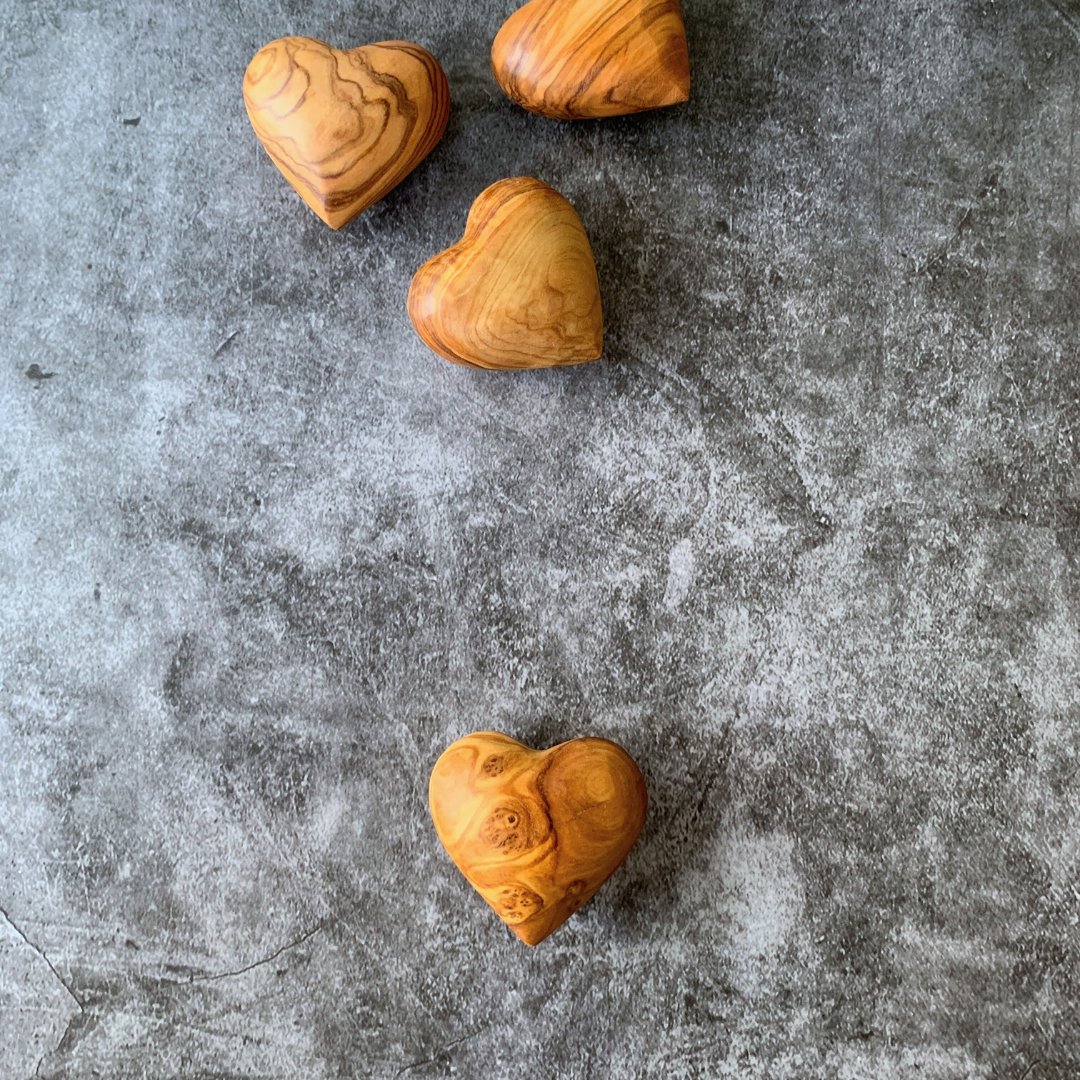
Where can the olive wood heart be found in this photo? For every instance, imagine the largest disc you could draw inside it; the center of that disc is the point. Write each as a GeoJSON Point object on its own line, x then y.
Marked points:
{"type": "Point", "coordinates": [518, 290]}
{"type": "Point", "coordinates": [536, 832]}
{"type": "Point", "coordinates": [345, 127]}
{"type": "Point", "coordinates": [572, 59]}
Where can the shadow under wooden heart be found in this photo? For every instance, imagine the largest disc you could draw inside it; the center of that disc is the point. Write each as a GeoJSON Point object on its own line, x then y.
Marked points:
{"type": "Point", "coordinates": [518, 290]}
{"type": "Point", "coordinates": [577, 59]}
{"type": "Point", "coordinates": [536, 832]}
{"type": "Point", "coordinates": [345, 127]}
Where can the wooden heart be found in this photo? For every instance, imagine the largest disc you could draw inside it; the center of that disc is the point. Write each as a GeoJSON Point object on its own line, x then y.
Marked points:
{"type": "Point", "coordinates": [345, 127]}
{"type": "Point", "coordinates": [518, 290]}
{"type": "Point", "coordinates": [571, 59]}
{"type": "Point", "coordinates": [536, 832]}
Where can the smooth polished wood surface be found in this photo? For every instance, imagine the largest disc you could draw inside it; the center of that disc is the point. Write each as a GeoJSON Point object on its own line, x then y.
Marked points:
{"type": "Point", "coordinates": [574, 59]}
{"type": "Point", "coordinates": [345, 127]}
{"type": "Point", "coordinates": [536, 832]}
{"type": "Point", "coordinates": [519, 290]}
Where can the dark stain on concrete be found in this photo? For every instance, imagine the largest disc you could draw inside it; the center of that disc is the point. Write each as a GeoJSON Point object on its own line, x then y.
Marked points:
{"type": "Point", "coordinates": [34, 372]}
{"type": "Point", "coordinates": [180, 667]}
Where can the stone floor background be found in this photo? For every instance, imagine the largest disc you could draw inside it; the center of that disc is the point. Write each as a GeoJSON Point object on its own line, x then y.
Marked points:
{"type": "Point", "coordinates": [806, 542]}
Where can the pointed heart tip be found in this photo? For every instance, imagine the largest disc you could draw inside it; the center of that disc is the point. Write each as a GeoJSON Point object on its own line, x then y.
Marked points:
{"type": "Point", "coordinates": [534, 939]}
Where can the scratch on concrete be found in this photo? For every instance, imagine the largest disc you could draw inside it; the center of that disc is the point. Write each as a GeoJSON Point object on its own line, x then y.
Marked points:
{"type": "Point", "coordinates": [41, 952]}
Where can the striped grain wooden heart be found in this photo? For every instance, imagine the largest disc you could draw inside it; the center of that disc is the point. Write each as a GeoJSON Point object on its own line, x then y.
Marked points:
{"type": "Point", "coordinates": [572, 59]}
{"type": "Point", "coordinates": [518, 290]}
{"type": "Point", "coordinates": [345, 127]}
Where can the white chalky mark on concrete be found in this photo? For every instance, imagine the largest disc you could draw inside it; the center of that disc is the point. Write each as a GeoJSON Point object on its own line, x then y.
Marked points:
{"type": "Point", "coordinates": [680, 574]}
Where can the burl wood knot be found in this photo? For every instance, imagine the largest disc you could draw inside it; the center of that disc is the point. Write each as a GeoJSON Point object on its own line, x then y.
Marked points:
{"type": "Point", "coordinates": [573, 59]}
{"type": "Point", "coordinates": [345, 127]}
{"type": "Point", "coordinates": [536, 832]}
{"type": "Point", "coordinates": [518, 290]}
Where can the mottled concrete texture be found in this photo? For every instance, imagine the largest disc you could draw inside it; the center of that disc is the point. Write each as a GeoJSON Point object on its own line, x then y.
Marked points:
{"type": "Point", "coordinates": [806, 542]}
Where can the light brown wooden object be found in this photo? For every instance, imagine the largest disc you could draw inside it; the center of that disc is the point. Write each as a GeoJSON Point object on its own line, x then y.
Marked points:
{"type": "Point", "coordinates": [536, 832]}
{"type": "Point", "coordinates": [345, 126]}
{"type": "Point", "coordinates": [571, 59]}
{"type": "Point", "coordinates": [518, 290]}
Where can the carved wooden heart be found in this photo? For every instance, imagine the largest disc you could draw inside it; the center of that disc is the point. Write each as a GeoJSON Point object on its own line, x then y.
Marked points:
{"type": "Point", "coordinates": [518, 290]}
{"type": "Point", "coordinates": [536, 832]}
{"type": "Point", "coordinates": [571, 59]}
{"type": "Point", "coordinates": [345, 127]}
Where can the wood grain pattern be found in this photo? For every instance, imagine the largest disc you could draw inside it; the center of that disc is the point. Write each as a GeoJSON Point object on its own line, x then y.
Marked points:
{"type": "Point", "coordinates": [536, 832]}
{"type": "Point", "coordinates": [345, 127]}
{"type": "Point", "coordinates": [519, 290]}
{"type": "Point", "coordinates": [573, 59]}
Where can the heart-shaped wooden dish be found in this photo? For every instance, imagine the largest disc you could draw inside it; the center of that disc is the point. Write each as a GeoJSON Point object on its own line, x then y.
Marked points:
{"type": "Point", "coordinates": [518, 290]}
{"type": "Point", "coordinates": [574, 59]}
{"type": "Point", "coordinates": [345, 127]}
{"type": "Point", "coordinates": [536, 832]}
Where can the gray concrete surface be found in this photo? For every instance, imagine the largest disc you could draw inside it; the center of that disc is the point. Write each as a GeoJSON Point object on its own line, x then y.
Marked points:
{"type": "Point", "coordinates": [806, 542]}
